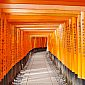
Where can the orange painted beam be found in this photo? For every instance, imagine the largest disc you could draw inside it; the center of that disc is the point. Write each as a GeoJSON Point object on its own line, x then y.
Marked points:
{"type": "Point", "coordinates": [27, 11]}
{"type": "Point", "coordinates": [37, 26]}
{"type": "Point", "coordinates": [36, 19]}
{"type": "Point", "coordinates": [36, 23]}
{"type": "Point", "coordinates": [38, 32]}
{"type": "Point", "coordinates": [31, 17]}
{"type": "Point", "coordinates": [53, 2]}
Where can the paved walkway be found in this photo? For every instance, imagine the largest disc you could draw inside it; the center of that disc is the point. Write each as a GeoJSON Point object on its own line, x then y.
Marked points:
{"type": "Point", "coordinates": [40, 71]}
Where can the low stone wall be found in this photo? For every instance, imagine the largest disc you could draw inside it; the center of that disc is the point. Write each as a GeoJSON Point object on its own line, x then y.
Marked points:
{"type": "Point", "coordinates": [72, 78]}
{"type": "Point", "coordinates": [9, 77]}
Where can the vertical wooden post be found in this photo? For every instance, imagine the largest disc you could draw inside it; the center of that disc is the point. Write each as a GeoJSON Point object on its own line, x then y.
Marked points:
{"type": "Point", "coordinates": [83, 44]}
{"type": "Point", "coordinates": [79, 47]}
{"type": "Point", "coordinates": [75, 45]}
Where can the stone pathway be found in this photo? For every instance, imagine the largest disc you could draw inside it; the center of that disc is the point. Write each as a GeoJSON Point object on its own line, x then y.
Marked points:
{"type": "Point", "coordinates": [40, 71]}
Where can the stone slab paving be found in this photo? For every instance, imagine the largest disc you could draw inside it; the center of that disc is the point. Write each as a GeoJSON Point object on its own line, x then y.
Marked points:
{"type": "Point", "coordinates": [40, 71]}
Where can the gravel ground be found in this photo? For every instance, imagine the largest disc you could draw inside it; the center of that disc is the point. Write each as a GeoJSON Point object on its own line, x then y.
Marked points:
{"type": "Point", "coordinates": [40, 71]}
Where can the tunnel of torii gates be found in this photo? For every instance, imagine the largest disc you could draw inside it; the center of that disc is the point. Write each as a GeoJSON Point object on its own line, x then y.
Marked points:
{"type": "Point", "coordinates": [57, 25]}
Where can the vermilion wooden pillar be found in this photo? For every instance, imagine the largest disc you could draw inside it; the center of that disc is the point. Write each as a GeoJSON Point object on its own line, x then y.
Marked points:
{"type": "Point", "coordinates": [75, 45]}
{"type": "Point", "coordinates": [18, 44]}
{"type": "Point", "coordinates": [22, 46]}
{"type": "Point", "coordinates": [83, 43]}
{"type": "Point", "coordinates": [79, 47]}
{"type": "Point", "coordinates": [4, 57]}
{"type": "Point", "coordinates": [13, 45]}
{"type": "Point", "coordinates": [8, 47]}
{"type": "Point", "coordinates": [1, 58]}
